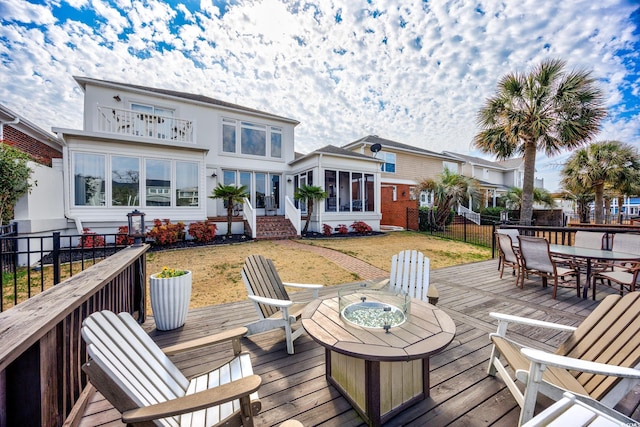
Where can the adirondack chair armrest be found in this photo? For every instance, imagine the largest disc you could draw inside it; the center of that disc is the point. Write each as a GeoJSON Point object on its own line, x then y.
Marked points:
{"type": "Point", "coordinates": [271, 301]}
{"type": "Point", "coordinates": [307, 286]}
{"type": "Point", "coordinates": [550, 359]}
{"type": "Point", "coordinates": [504, 319]}
{"type": "Point", "coordinates": [231, 334]}
{"type": "Point", "coordinates": [194, 402]}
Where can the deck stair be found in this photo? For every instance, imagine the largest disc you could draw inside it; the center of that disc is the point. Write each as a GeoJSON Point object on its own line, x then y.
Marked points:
{"type": "Point", "coordinates": [274, 228]}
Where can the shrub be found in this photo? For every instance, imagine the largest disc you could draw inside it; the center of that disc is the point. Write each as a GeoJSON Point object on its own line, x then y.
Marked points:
{"type": "Point", "coordinates": [202, 231]}
{"type": "Point", "coordinates": [327, 229]}
{"type": "Point", "coordinates": [361, 227]}
{"type": "Point", "coordinates": [342, 229]}
{"type": "Point", "coordinates": [123, 238]}
{"type": "Point", "coordinates": [166, 233]}
{"type": "Point", "coordinates": [90, 239]}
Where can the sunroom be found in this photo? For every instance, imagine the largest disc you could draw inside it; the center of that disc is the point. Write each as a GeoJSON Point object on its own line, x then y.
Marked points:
{"type": "Point", "coordinates": [352, 184]}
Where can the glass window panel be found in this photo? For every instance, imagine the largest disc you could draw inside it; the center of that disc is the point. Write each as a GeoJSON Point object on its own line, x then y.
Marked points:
{"type": "Point", "coordinates": [369, 193]}
{"type": "Point", "coordinates": [356, 192]}
{"type": "Point", "coordinates": [261, 189]}
{"type": "Point", "coordinates": [187, 184]}
{"type": "Point", "coordinates": [330, 188]}
{"type": "Point", "coordinates": [158, 182]}
{"type": "Point", "coordinates": [253, 140]}
{"type": "Point", "coordinates": [125, 181]}
{"type": "Point", "coordinates": [89, 179]}
{"type": "Point", "coordinates": [344, 194]}
{"type": "Point", "coordinates": [245, 179]}
{"type": "Point", "coordinates": [229, 137]}
{"type": "Point", "coordinates": [276, 144]}
{"type": "Point", "coordinates": [228, 177]}
{"type": "Point", "coordinates": [275, 189]}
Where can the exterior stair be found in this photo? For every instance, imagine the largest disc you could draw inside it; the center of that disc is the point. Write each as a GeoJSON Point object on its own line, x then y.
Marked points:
{"type": "Point", "coordinates": [274, 228]}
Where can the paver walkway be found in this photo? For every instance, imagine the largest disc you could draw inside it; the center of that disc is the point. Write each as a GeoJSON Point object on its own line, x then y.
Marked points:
{"type": "Point", "coordinates": [365, 270]}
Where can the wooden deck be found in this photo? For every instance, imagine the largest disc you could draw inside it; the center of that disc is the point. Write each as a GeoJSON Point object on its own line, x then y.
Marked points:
{"type": "Point", "coordinates": [294, 386]}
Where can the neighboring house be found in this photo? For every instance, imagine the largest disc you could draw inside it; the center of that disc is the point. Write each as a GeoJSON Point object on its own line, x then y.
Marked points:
{"type": "Point", "coordinates": [40, 210]}
{"type": "Point", "coordinates": [163, 152]}
{"type": "Point", "coordinates": [20, 133]}
{"type": "Point", "coordinates": [403, 167]}
{"type": "Point", "coordinates": [494, 178]}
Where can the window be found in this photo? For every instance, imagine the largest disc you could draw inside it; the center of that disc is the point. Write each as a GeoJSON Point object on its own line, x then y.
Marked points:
{"type": "Point", "coordinates": [161, 177]}
{"type": "Point", "coordinates": [89, 179]}
{"type": "Point", "coordinates": [158, 182]}
{"type": "Point", "coordinates": [413, 193]}
{"type": "Point", "coordinates": [186, 184]}
{"type": "Point", "coordinates": [349, 191]}
{"type": "Point", "coordinates": [258, 185]}
{"type": "Point", "coordinates": [125, 181]}
{"type": "Point", "coordinates": [251, 139]}
{"type": "Point", "coordinates": [452, 166]}
{"type": "Point", "coordinates": [389, 164]}
{"type": "Point", "coordinates": [152, 121]}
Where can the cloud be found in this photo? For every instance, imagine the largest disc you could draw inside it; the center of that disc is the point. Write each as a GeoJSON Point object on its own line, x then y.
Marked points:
{"type": "Point", "coordinates": [415, 72]}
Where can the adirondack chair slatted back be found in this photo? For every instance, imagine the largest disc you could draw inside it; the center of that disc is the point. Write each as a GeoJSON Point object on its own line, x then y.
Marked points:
{"type": "Point", "coordinates": [133, 362]}
{"type": "Point", "coordinates": [610, 334]}
{"type": "Point", "coordinates": [262, 279]}
{"type": "Point", "coordinates": [410, 274]}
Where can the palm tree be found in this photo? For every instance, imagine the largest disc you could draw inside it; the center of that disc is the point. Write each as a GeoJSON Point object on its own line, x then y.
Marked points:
{"type": "Point", "coordinates": [230, 194]}
{"type": "Point", "coordinates": [548, 109]}
{"type": "Point", "coordinates": [599, 164]}
{"type": "Point", "coordinates": [310, 194]}
{"type": "Point", "coordinates": [449, 189]}
{"type": "Point", "coordinates": [513, 197]}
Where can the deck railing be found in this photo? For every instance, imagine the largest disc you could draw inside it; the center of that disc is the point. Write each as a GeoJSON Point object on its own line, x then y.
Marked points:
{"type": "Point", "coordinates": [142, 124]}
{"type": "Point", "coordinates": [41, 350]}
{"type": "Point", "coordinates": [29, 265]}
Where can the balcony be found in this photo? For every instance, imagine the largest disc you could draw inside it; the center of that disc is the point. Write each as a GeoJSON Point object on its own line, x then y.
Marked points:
{"type": "Point", "coordinates": [139, 124]}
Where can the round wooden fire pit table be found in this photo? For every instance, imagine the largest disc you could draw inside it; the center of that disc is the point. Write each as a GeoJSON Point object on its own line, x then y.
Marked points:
{"type": "Point", "coordinates": [380, 373]}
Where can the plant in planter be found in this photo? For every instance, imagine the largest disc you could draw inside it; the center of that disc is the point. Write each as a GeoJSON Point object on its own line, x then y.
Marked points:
{"type": "Point", "coordinates": [170, 293]}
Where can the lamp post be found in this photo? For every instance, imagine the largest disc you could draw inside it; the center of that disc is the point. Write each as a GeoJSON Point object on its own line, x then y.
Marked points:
{"type": "Point", "coordinates": [136, 227]}
{"type": "Point", "coordinates": [504, 216]}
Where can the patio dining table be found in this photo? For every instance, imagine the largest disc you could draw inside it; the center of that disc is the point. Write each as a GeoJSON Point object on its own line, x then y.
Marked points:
{"type": "Point", "coordinates": [589, 255]}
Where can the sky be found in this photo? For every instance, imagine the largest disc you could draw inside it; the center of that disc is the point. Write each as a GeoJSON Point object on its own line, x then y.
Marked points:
{"type": "Point", "coordinates": [415, 72]}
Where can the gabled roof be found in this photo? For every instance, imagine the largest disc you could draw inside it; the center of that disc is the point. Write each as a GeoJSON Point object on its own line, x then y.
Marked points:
{"type": "Point", "coordinates": [512, 163]}
{"type": "Point", "coordinates": [387, 143]}
{"type": "Point", "coordinates": [27, 127]}
{"type": "Point", "coordinates": [336, 151]}
{"type": "Point", "coordinates": [476, 160]}
{"type": "Point", "coordinates": [83, 81]}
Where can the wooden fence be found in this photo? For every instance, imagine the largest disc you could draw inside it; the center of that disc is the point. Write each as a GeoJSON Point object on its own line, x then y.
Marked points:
{"type": "Point", "coordinates": [41, 350]}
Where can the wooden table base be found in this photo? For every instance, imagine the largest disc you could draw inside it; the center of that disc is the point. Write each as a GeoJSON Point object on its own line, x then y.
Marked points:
{"type": "Point", "coordinates": [378, 390]}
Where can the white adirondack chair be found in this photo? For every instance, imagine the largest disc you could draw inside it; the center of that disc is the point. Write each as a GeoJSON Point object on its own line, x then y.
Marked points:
{"type": "Point", "coordinates": [273, 304]}
{"type": "Point", "coordinates": [599, 359]}
{"type": "Point", "coordinates": [138, 378]}
{"type": "Point", "coordinates": [410, 274]}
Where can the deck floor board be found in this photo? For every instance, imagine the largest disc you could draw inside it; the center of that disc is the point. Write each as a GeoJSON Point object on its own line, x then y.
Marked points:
{"type": "Point", "coordinates": [294, 386]}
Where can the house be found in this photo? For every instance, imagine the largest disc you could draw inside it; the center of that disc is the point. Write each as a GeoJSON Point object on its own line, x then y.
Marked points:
{"type": "Point", "coordinates": [20, 133]}
{"type": "Point", "coordinates": [163, 152]}
{"type": "Point", "coordinates": [402, 168]}
{"type": "Point", "coordinates": [494, 178]}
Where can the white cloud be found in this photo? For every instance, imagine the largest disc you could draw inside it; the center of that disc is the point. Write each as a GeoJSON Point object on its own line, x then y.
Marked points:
{"type": "Point", "coordinates": [415, 73]}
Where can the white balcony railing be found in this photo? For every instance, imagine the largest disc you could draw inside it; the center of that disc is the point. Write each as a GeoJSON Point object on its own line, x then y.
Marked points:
{"type": "Point", "coordinates": [140, 124]}
{"type": "Point", "coordinates": [469, 214]}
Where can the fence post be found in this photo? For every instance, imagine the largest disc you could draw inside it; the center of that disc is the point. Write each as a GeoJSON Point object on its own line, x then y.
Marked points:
{"type": "Point", "coordinates": [493, 240]}
{"type": "Point", "coordinates": [464, 226]}
{"type": "Point", "coordinates": [56, 257]}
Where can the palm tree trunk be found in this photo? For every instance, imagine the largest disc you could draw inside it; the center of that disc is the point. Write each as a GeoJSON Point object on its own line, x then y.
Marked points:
{"type": "Point", "coordinates": [620, 203]}
{"type": "Point", "coordinates": [598, 202]}
{"type": "Point", "coordinates": [229, 215]}
{"type": "Point", "coordinates": [526, 213]}
{"type": "Point", "coordinates": [309, 212]}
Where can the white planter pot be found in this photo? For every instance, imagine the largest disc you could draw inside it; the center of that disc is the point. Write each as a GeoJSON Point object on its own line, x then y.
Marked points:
{"type": "Point", "coordinates": [170, 300]}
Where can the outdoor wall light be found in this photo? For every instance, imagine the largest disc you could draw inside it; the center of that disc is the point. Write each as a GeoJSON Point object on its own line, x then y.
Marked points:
{"type": "Point", "coordinates": [213, 175]}
{"type": "Point", "coordinates": [117, 98]}
{"type": "Point", "coordinates": [136, 226]}
{"type": "Point", "coordinates": [289, 179]}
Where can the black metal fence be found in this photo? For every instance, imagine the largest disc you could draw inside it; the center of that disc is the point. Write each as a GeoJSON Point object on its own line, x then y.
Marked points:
{"type": "Point", "coordinates": [29, 265]}
{"type": "Point", "coordinates": [462, 229]}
